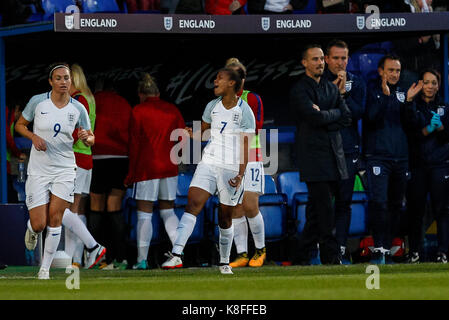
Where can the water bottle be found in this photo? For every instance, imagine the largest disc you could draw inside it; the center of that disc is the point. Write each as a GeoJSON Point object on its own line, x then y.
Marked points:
{"type": "Point", "coordinates": [21, 176]}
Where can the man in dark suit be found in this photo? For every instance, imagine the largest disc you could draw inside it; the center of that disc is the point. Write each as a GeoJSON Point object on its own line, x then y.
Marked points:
{"type": "Point", "coordinates": [321, 112]}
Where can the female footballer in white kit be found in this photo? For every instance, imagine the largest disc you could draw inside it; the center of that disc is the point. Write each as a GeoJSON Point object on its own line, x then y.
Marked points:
{"type": "Point", "coordinates": [222, 166]}
{"type": "Point", "coordinates": [52, 169]}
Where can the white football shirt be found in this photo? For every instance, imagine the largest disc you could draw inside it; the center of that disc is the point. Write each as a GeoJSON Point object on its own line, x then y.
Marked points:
{"type": "Point", "coordinates": [223, 149]}
{"type": "Point", "coordinates": [56, 127]}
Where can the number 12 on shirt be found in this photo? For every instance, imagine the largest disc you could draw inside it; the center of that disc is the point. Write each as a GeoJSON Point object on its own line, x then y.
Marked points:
{"type": "Point", "coordinates": [255, 173]}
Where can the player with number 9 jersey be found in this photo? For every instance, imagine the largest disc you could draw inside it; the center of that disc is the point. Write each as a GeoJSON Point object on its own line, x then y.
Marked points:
{"type": "Point", "coordinates": [55, 126]}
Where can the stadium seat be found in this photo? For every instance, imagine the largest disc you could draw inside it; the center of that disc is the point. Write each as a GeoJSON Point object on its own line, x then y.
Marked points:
{"type": "Point", "coordinates": [273, 208]}
{"type": "Point", "coordinates": [289, 184]}
{"type": "Point", "coordinates": [353, 64]}
{"type": "Point", "coordinates": [270, 185]}
{"type": "Point", "coordinates": [20, 188]}
{"type": "Point", "coordinates": [309, 9]}
{"type": "Point", "coordinates": [357, 226]}
{"type": "Point", "coordinates": [52, 6]}
{"type": "Point", "coordinates": [368, 65]}
{"type": "Point", "coordinates": [184, 180]}
{"type": "Point", "coordinates": [378, 47]}
{"type": "Point", "coordinates": [299, 210]}
{"type": "Point", "coordinates": [91, 6]}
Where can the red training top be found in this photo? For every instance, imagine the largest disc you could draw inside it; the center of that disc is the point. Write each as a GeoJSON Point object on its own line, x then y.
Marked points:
{"type": "Point", "coordinates": [10, 144]}
{"type": "Point", "coordinates": [221, 7]}
{"type": "Point", "coordinates": [111, 124]}
{"type": "Point", "coordinates": [82, 160]}
{"type": "Point", "coordinates": [152, 123]}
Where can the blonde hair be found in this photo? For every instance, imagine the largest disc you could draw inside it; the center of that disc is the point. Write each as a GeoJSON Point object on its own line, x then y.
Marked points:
{"type": "Point", "coordinates": [148, 86]}
{"type": "Point", "coordinates": [231, 61]}
{"type": "Point", "coordinates": [79, 80]}
{"type": "Point", "coordinates": [235, 64]}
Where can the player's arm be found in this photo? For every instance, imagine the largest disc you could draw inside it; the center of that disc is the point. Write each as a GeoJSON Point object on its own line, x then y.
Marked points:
{"type": "Point", "coordinates": [87, 136]}
{"type": "Point", "coordinates": [22, 128]}
{"type": "Point", "coordinates": [300, 98]}
{"type": "Point", "coordinates": [25, 118]}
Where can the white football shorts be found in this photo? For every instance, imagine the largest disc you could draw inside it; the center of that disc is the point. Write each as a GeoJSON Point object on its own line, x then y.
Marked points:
{"type": "Point", "coordinates": [212, 179]}
{"type": "Point", "coordinates": [254, 178]}
{"type": "Point", "coordinates": [82, 180]}
{"type": "Point", "coordinates": [38, 189]}
{"type": "Point", "coordinates": [154, 189]}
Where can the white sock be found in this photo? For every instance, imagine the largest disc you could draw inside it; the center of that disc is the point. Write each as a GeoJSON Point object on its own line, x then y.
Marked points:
{"type": "Point", "coordinates": [257, 228]}
{"type": "Point", "coordinates": [51, 245]}
{"type": "Point", "coordinates": [225, 243]}
{"type": "Point", "coordinates": [183, 232]}
{"type": "Point", "coordinates": [171, 222]}
{"type": "Point", "coordinates": [144, 234]}
{"type": "Point", "coordinates": [79, 245]}
{"type": "Point", "coordinates": [72, 222]}
{"type": "Point", "coordinates": [240, 234]}
{"type": "Point", "coordinates": [69, 242]}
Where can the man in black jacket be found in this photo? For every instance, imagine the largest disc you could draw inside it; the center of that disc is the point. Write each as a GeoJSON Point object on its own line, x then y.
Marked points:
{"type": "Point", "coordinates": [385, 148]}
{"type": "Point", "coordinates": [321, 113]}
{"type": "Point", "coordinates": [353, 91]}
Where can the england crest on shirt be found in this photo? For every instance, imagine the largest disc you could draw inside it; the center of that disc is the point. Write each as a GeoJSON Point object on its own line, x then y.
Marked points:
{"type": "Point", "coordinates": [348, 85]}
{"type": "Point", "coordinates": [71, 117]}
{"type": "Point", "coordinates": [440, 111]}
{"type": "Point", "coordinates": [376, 171]}
{"type": "Point", "coordinates": [400, 96]}
{"type": "Point", "coordinates": [236, 118]}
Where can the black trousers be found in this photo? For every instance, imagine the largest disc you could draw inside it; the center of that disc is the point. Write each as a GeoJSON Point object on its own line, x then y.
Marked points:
{"type": "Point", "coordinates": [387, 183]}
{"type": "Point", "coordinates": [343, 200]}
{"type": "Point", "coordinates": [319, 224]}
{"type": "Point", "coordinates": [425, 181]}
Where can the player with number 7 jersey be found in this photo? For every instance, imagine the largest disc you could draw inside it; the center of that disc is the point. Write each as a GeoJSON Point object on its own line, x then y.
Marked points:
{"type": "Point", "coordinates": [222, 166]}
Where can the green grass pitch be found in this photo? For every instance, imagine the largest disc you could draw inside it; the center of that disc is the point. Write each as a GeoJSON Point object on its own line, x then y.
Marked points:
{"type": "Point", "coordinates": [422, 281]}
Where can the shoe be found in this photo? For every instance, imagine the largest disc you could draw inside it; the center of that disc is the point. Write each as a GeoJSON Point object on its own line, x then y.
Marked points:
{"type": "Point", "coordinates": [95, 256]}
{"type": "Point", "coordinates": [225, 269]}
{"type": "Point", "coordinates": [378, 256]}
{"type": "Point", "coordinates": [105, 266]}
{"type": "Point", "coordinates": [31, 239]}
{"type": "Point", "coordinates": [413, 257]}
{"type": "Point", "coordinates": [76, 264]}
{"type": "Point", "coordinates": [241, 261]}
{"type": "Point", "coordinates": [259, 258]}
{"type": "Point", "coordinates": [121, 265]}
{"type": "Point", "coordinates": [43, 274]}
{"type": "Point", "coordinates": [142, 265]}
{"type": "Point", "coordinates": [172, 261]}
{"type": "Point", "coordinates": [441, 257]}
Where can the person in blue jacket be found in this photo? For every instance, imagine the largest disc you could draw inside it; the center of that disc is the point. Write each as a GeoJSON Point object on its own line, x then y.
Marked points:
{"type": "Point", "coordinates": [353, 91]}
{"type": "Point", "coordinates": [429, 166]}
{"type": "Point", "coordinates": [385, 149]}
